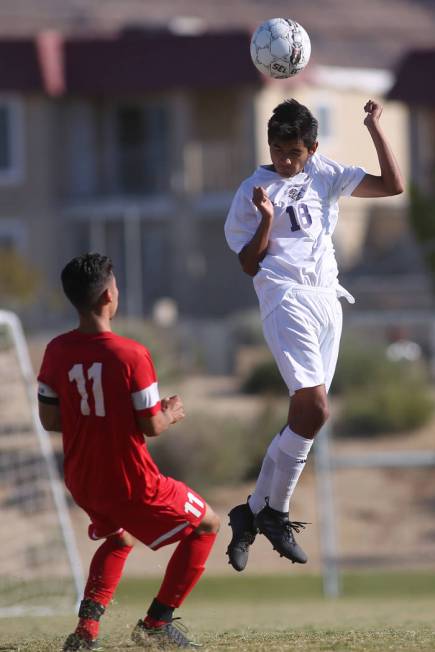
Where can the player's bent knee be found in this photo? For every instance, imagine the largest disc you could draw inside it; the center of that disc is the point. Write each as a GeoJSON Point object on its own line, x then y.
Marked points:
{"type": "Point", "coordinates": [309, 411]}
{"type": "Point", "coordinates": [321, 412]}
{"type": "Point", "coordinates": [317, 415]}
{"type": "Point", "coordinates": [210, 523]}
{"type": "Point", "coordinates": [125, 539]}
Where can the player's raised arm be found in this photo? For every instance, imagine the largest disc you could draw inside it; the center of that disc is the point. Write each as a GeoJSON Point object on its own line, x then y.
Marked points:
{"type": "Point", "coordinates": [390, 181]}
{"type": "Point", "coordinates": [253, 253]}
{"type": "Point", "coordinates": [172, 411]}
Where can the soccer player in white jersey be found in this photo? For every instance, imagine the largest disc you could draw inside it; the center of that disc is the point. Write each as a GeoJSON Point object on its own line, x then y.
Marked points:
{"type": "Point", "coordinates": [280, 224]}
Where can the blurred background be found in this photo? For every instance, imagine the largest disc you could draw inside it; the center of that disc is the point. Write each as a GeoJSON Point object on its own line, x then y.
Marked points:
{"type": "Point", "coordinates": [126, 127]}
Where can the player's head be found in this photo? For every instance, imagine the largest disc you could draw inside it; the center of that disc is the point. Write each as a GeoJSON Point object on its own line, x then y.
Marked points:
{"type": "Point", "coordinates": [291, 120]}
{"type": "Point", "coordinates": [89, 283]}
{"type": "Point", "coordinates": [292, 137]}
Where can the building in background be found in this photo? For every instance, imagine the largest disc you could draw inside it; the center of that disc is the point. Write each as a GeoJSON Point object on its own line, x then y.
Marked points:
{"type": "Point", "coordinates": [414, 86]}
{"type": "Point", "coordinates": [133, 142]}
{"type": "Point", "coordinates": [103, 151]}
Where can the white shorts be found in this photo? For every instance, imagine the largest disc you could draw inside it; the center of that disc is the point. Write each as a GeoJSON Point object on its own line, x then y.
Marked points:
{"type": "Point", "coordinates": [303, 334]}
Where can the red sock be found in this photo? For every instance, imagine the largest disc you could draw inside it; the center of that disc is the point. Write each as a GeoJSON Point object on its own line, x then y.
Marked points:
{"type": "Point", "coordinates": [185, 567]}
{"type": "Point", "coordinates": [152, 623]}
{"type": "Point", "coordinates": [88, 629]}
{"type": "Point", "coordinates": [104, 574]}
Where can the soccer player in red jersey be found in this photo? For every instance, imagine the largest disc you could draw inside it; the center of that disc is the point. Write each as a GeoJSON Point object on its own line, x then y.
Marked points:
{"type": "Point", "coordinates": [100, 391]}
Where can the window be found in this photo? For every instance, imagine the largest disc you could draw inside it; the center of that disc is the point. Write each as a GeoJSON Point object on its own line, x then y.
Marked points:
{"type": "Point", "coordinates": [324, 118]}
{"type": "Point", "coordinates": [141, 146]}
{"type": "Point", "coordinates": [11, 141]}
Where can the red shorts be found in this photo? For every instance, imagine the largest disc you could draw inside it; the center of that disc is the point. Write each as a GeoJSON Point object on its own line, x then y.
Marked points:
{"type": "Point", "coordinates": [174, 512]}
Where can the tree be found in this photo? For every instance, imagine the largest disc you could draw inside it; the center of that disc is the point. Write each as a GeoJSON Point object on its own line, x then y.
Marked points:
{"type": "Point", "coordinates": [19, 281]}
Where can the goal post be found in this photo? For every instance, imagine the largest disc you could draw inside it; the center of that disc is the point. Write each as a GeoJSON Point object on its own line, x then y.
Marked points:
{"type": "Point", "coordinates": [326, 463]}
{"type": "Point", "coordinates": [40, 567]}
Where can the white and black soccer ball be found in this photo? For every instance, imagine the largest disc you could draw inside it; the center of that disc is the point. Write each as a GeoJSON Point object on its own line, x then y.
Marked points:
{"type": "Point", "coordinates": [280, 48]}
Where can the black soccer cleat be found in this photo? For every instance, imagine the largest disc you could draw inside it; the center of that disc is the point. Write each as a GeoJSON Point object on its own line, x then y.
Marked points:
{"type": "Point", "coordinates": [277, 527]}
{"type": "Point", "coordinates": [165, 635]}
{"type": "Point", "coordinates": [244, 533]}
{"type": "Point", "coordinates": [76, 642]}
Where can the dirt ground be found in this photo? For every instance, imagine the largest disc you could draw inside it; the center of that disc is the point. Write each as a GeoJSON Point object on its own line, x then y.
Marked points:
{"type": "Point", "coordinates": [384, 517]}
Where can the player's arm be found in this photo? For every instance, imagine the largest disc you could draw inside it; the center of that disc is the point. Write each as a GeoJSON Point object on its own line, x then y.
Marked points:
{"type": "Point", "coordinates": [49, 415]}
{"type": "Point", "coordinates": [49, 407]}
{"type": "Point", "coordinates": [390, 181]}
{"type": "Point", "coordinates": [253, 253]}
{"type": "Point", "coordinates": [152, 414]}
{"type": "Point", "coordinates": [172, 411]}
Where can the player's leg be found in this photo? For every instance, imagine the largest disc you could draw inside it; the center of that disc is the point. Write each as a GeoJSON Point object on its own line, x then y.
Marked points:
{"type": "Point", "coordinates": [308, 412]}
{"type": "Point", "coordinates": [292, 339]}
{"type": "Point", "coordinates": [104, 575]}
{"type": "Point", "coordinates": [185, 567]}
{"type": "Point", "coordinates": [195, 525]}
{"type": "Point", "coordinates": [242, 516]}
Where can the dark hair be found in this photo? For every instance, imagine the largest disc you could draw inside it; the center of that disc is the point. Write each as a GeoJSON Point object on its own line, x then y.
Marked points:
{"type": "Point", "coordinates": [292, 121]}
{"type": "Point", "coordinates": [85, 278]}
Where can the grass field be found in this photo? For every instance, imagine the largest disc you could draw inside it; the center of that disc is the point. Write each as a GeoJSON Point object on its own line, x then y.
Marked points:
{"type": "Point", "coordinates": [377, 612]}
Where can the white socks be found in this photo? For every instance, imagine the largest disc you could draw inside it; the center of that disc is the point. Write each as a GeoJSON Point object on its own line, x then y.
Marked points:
{"type": "Point", "coordinates": [262, 488]}
{"type": "Point", "coordinates": [290, 462]}
{"type": "Point", "coordinates": [282, 466]}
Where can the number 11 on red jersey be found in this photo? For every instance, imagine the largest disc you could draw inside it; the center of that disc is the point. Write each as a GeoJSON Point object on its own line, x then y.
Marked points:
{"type": "Point", "coordinates": [76, 374]}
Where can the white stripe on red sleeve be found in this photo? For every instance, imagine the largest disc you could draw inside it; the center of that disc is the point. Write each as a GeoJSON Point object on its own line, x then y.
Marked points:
{"type": "Point", "coordinates": [45, 390]}
{"type": "Point", "coordinates": [146, 398]}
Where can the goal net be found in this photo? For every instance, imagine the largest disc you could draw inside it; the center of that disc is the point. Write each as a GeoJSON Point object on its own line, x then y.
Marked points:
{"type": "Point", "coordinates": [40, 569]}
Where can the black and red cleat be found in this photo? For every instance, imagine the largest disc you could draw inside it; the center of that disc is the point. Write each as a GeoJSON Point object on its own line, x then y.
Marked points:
{"type": "Point", "coordinates": [79, 642]}
{"type": "Point", "coordinates": [162, 633]}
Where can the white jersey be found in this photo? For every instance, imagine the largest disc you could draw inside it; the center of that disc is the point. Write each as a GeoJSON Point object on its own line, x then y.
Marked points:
{"type": "Point", "coordinates": [300, 250]}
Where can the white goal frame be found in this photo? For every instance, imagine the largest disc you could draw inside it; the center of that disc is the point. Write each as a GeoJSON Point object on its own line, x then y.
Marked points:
{"type": "Point", "coordinates": [13, 323]}
{"type": "Point", "coordinates": [325, 464]}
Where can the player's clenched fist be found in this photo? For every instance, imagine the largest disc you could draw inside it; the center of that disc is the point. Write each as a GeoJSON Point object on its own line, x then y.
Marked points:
{"type": "Point", "coordinates": [374, 112]}
{"type": "Point", "coordinates": [262, 202]}
{"type": "Point", "coordinates": [174, 408]}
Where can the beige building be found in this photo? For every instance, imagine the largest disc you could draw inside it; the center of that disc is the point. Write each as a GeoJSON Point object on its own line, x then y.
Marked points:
{"type": "Point", "coordinates": [106, 144]}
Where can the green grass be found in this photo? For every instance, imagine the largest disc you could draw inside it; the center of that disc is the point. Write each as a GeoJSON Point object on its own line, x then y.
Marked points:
{"type": "Point", "coordinates": [377, 612]}
{"type": "Point", "coordinates": [245, 587]}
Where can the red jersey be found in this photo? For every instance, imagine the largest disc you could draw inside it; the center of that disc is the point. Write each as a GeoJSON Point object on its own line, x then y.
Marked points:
{"type": "Point", "coordinates": [100, 381]}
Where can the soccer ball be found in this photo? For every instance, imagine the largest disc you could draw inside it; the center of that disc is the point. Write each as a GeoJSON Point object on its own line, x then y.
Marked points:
{"type": "Point", "coordinates": [280, 48]}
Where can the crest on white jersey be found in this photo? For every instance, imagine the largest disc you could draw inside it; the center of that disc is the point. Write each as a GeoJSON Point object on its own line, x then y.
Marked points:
{"type": "Point", "coordinates": [296, 193]}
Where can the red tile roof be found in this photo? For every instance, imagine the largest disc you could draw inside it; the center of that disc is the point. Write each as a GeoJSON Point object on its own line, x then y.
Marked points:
{"type": "Point", "coordinates": [372, 33]}
{"type": "Point", "coordinates": [19, 66]}
{"type": "Point", "coordinates": [130, 63]}
{"type": "Point", "coordinates": [149, 61]}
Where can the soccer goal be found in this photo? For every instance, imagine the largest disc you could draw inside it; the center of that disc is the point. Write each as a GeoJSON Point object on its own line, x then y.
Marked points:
{"type": "Point", "coordinates": [40, 570]}
{"type": "Point", "coordinates": [326, 463]}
